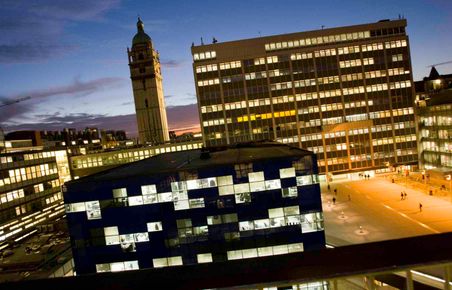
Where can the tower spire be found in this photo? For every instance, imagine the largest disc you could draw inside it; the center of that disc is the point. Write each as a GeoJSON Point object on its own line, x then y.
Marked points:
{"type": "Point", "coordinates": [140, 25]}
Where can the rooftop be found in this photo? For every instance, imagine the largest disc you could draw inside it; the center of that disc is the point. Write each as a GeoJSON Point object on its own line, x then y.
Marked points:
{"type": "Point", "coordinates": [326, 31]}
{"type": "Point", "coordinates": [198, 158]}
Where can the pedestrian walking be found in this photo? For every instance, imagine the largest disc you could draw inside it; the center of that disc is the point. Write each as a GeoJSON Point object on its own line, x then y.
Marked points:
{"type": "Point", "coordinates": [335, 191]}
{"type": "Point", "coordinates": [404, 195]}
{"type": "Point", "coordinates": [420, 207]}
{"type": "Point", "coordinates": [349, 197]}
{"type": "Point", "coordinates": [401, 195]}
{"type": "Point", "coordinates": [334, 200]}
{"type": "Point", "coordinates": [328, 187]}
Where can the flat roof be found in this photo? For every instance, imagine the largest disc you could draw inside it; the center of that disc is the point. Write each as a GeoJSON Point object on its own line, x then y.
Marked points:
{"type": "Point", "coordinates": [385, 23]}
{"type": "Point", "coordinates": [370, 258]}
{"type": "Point", "coordinates": [198, 158]}
{"type": "Point", "coordinates": [441, 98]}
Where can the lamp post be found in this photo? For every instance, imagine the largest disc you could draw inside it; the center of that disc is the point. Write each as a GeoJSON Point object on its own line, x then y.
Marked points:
{"type": "Point", "coordinates": [449, 177]}
{"type": "Point", "coordinates": [406, 178]}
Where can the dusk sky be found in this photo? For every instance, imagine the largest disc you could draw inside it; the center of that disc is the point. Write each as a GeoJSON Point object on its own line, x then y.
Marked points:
{"type": "Point", "coordinates": [71, 56]}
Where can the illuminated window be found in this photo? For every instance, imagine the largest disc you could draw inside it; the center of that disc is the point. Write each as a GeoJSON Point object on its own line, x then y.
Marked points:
{"type": "Point", "coordinates": [75, 207]}
{"type": "Point", "coordinates": [154, 226]}
{"type": "Point", "coordinates": [204, 258]}
{"type": "Point", "coordinates": [291, 210]}
{"type": "Point", "coordinates": [287, 172]}
{"type": "Point", "coordinates": [289, 192]}
{"type": "Point", "coordinates": [148, 189]}
{"type": "Point", "coordinates": [256, 176]}
{"type": "Point", "coordinates": [165, 262]}
{"type": "Point", "coordinates": [93, 210]}
{"type": "Point", "coordinates": [257, 186]}
{"type": "Point", "coordinates": [119, 192]}
{"type": "Point", "coordinates": [273, 184]}
{"type": "Point", "coordinates": [224, 180]}
{"type": "Point", "coordinates": [304, 180]}
{"type": "Point", "coordinates": [135, 200]}
{"type": "Point", "coordinates": [246, 226]}
{"type": "Point", "coordinates": [275, 212]}
{"type": "Point", "coordinates": [127, 242]}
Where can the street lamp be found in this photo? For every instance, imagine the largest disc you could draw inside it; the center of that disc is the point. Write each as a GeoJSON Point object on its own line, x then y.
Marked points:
{"type": "Point", "coordinates": [406, 178]}
{"type": "Point", "coordinates": [449, 177]}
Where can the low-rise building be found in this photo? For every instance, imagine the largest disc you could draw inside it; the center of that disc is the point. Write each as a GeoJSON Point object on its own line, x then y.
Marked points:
{"type": "Point", "coordinates": [196, 206]}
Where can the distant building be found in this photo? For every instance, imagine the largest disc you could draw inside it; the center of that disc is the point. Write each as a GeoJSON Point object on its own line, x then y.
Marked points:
{"type": "Point", "coordinates": [70, 137]}
{"type": "Point", "coordinates": [93, 162]}
{"type": "Point", "coordinates": [185, 137]}
{"type": "Point", "coordinates": [196, 206]}
{"type": "Point", "coordinates": [34, 136]}
{"type": "Point", "coordinates": [144, 63]}
{"type": "Point", "coordinates": [344, 93]}
{"type": "Point", "coordinates": [113, 138]}
{"type": "Point", "coordinates": [434, 115]}
{"type": "Point", "coordinates": [30, 191]}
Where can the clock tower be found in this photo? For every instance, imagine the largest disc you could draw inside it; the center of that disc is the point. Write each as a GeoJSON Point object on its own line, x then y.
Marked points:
{"type": "Point", "coordinates": [144, 64]}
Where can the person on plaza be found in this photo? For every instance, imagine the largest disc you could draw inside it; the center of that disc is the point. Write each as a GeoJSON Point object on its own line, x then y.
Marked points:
{"type": "Point", "coordinates": [420, 207]}
{"type": "Point", "coordinates": [404, 195]}
{"type": "Point", "coordinates": [401, 195]}
{"type": "Point", "coordinates": [349, 197]}
{"type": "Point", "coordinates": [335, 191]}
{"type": "Point", "coordinates": [334, 200]}
{"type": "Point", "coordinates": [328, 187]}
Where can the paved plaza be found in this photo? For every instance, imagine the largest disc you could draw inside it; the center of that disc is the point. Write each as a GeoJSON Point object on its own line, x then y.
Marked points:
{"type": "Point", "coordinates": [368, 210]}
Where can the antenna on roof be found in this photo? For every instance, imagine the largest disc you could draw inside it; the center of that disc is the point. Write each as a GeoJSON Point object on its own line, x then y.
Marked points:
{"type": "Point", "coordinates": [202, 42]}
{"type": "Point", "coordinates": [214, 40]}
{"type": "Point", "coordinates": [323, 26]}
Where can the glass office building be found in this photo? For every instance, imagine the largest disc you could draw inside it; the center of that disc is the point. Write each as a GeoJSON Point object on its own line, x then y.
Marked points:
{"type": "Point", "coordinates": [344, 93]}
{"type": "Point", "coordinates": [196, 206]}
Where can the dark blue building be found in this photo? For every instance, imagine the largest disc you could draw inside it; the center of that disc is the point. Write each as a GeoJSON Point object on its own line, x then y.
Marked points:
{"type": "Point", "coordinates": [197, 206]}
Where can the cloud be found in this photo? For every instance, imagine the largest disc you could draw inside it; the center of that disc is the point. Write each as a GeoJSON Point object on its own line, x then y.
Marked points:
{"type": "Point", "coordinates": [79, 88]}
{"type": "Point", "coordinates": [171, 63]}
{"type": "Point", "coordinates": [13, 111]}
{"type": "Point", "coordinates": [70, 119]}
{"type": "Point", "coordinates": [76, 89]}
{"type": "Point", "coordinates": [80, 121]}
{"type": "Point", "coordinates": [71, 10]}
{"type": "Point", "coordinates": [180, 118]}
{"type": "Point", "coordinates": [34, 30]}
{"type": "Point", "coordinates": [20, 53]}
